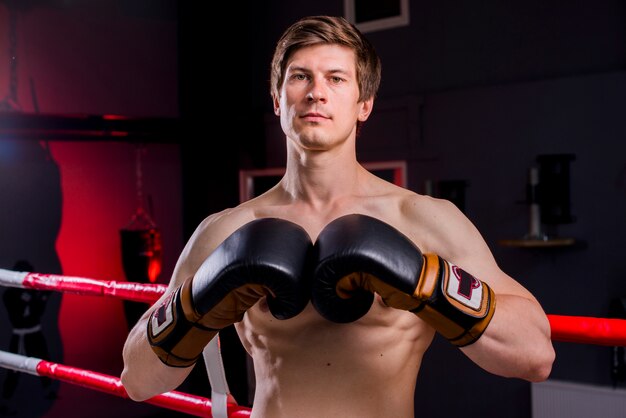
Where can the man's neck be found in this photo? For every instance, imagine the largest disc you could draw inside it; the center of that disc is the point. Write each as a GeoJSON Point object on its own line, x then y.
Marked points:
{"type": "Point", "coordinates": [321, 182]}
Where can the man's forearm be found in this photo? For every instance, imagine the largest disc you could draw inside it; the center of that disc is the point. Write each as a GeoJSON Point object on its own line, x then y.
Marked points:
{"type": "Point", "coordinates": [517, 342]}
{"type": "Point", "coordinates": [144, 375]}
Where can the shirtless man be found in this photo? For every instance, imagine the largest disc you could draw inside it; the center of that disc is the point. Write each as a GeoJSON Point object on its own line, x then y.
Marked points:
{"type": "Point", "coordinates": [324, 79]}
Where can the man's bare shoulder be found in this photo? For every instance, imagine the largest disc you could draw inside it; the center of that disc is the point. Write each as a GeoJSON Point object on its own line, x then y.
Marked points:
{"type": "Point", "coordinates": [437, 224]}
{"type": "Point", "coordinates": [209, 234]}
{"type": "Point", "coordinates": [431, 210]}
{"type": "Point", "coordinates": [216, 227]}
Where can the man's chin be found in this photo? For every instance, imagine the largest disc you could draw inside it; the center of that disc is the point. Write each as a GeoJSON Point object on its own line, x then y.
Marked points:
{"type": "Point", "coordinates": [312, 139]}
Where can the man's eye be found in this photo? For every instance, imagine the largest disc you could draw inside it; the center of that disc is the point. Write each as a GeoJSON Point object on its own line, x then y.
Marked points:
{"type": "Point", "coordinates": [336, 80]}
{"type": "Point", "coordinates": [299, 77]}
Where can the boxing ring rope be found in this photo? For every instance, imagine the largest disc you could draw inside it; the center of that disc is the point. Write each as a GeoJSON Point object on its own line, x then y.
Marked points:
{"type": "Point", "coordinates": [138, 292]}
{"type": "Point", "coordinates": [573, 329]}
{"type": "Point", "coordinates": [177, 401]}
{"type": "Point", "coordinates": [564, 328]}
{"type": "Point", "coordinates": [588, 330]}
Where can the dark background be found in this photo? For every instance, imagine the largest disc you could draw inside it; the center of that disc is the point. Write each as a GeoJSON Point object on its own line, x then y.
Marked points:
{"type": "Point", "coordinates": [472, 92]}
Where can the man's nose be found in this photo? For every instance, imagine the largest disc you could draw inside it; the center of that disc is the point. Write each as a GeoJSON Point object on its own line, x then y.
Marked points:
{"type": "Point", "coordinates": [317, 92]}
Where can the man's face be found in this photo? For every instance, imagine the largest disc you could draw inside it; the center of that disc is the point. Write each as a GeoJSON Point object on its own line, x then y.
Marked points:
{"type": "Point", "coordinates": [318, 104]}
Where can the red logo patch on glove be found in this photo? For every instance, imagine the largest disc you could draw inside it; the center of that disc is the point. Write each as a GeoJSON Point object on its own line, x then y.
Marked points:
{"type": "Point", "coordinates": [163, 316]}
{"type": "Point", "coordinates": [464, 288]}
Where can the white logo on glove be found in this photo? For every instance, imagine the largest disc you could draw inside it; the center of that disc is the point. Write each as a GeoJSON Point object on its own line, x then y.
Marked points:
{"type": "Point", "coordinates": [163, 316]}
{"type": "Point", "coordinates": [464, 288]}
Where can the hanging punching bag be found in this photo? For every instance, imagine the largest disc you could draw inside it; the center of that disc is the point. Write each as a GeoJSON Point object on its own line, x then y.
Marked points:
{"type": "Point", "coordinates": [141, 259]}
{"type": "Point", "coordinates": [141, 248]}
{"type": "Point", "coordinates": [141, 254]}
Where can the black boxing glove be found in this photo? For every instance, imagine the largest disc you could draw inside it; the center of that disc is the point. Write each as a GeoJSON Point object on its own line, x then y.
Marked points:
{"type": "Point", "coordinates": [266, 257]}
{"type": "Point", "coordinates": [360, 255]}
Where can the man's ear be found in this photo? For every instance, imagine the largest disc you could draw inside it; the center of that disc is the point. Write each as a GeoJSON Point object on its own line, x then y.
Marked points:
{"type": "Point", "coordinates": [366, 109]}
{"type": "Point", "coordinates": [276, 101]}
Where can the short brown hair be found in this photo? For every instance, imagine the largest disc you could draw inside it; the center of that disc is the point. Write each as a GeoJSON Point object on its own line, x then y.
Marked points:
{"type": "Point", "coordinates": [315, 30]}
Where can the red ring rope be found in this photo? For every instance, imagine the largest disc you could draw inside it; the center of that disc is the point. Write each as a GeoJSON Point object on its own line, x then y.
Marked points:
{"type": "Point", "coordinates": [138, 292]}
{"type": "Point", "coordinates": [177, 401]}
{"type": "Point", "coordinates": [588, 330]}
{"type": "Point", "coordinates": [573, 329]}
